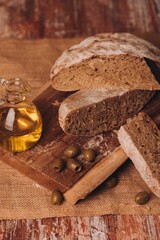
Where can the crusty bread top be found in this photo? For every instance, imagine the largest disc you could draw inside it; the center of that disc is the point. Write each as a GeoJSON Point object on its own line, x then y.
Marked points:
{"type": "Point", "coordinates": [105, 45]}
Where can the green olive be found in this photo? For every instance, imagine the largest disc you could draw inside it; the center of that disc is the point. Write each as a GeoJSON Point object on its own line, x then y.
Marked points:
{"type": "Point", "coordinates": [56, 197]}
{"type": "Point", "coordinates": [111, 182]}
{"type": "Point", "coordinates": [74, 165]}
{"type": "Point", "coordinates": [142, 198]}
{"type": "Point", "coordinates": [58, 165]}
{"type": "Point", "coordinates": [89, 154]}
{"type": "Point", "coordinates": [71, 151]}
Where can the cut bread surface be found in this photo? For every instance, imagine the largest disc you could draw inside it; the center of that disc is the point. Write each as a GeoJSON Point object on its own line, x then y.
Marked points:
{"type": "Point", "coordinates": [90, 112]}
{"type": "Point", "coordinates": [140, 139]}
{"type": "Point", "coordinates": [114, 72]}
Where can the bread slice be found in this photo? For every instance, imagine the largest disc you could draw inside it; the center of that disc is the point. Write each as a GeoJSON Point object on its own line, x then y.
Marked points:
{"type": "Point", "coordinates": [140, 139]}
{"type": "Point", "coordinates": [89, 112]}
{"type": "Point", "coordinates": [113, 61]}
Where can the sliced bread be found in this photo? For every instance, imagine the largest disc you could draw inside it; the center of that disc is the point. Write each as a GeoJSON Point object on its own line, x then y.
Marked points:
{"type": "Point", "coordinates": [113, 61]}
{"type": "Point", "coordinates": [89, 112]}
{"type": "Point", "coordinates": [140, 139]}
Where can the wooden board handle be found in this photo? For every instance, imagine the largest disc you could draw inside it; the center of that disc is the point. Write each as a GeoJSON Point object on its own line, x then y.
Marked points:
{"type": "Point", "coordinates": [99, 173]}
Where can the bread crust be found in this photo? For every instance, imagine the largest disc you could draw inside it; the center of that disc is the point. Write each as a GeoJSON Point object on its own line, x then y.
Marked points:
{"type": "Point", "coordinates": [106, 44]}
{"type": "Point", "coordinates": [102, 45]}
{"type": "Point", "coordinates": [133, 152]}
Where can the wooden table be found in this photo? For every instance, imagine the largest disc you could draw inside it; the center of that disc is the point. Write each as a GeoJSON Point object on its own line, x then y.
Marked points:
{"type": "Point", "coordinates": [112, 227]}
{"type": "Point", "coordinates": [18, 19]}
{"type": "Point", "coordinates": [75, 18]}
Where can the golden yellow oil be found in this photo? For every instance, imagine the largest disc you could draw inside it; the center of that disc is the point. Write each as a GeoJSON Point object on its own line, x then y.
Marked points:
{"type": "Point", "coordinates": [24, 128]}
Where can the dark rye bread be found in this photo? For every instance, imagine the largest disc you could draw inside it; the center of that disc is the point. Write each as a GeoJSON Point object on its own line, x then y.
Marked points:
{"type": "Point", "coordinates": [112, 61]}
{"type": "Point", "coordinates": [140, 139]}
{"type": "Point", "coordinates": [89, 112]}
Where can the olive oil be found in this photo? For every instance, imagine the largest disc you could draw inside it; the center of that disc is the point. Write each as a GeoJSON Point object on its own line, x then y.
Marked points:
{"type": "Point", "coordinates": [20, 127]}
{"type": "Point", "coordinates": [20, 121]}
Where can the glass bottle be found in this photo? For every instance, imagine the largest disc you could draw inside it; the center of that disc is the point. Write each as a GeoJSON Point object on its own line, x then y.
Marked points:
{"type": "Point", "coordinates": [20, 121]}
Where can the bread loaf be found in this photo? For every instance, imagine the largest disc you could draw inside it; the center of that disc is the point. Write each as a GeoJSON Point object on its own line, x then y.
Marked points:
{"type": "Point", "coordinates": [140, 139]}
{"type": "Point", "coordinates": [89, 112]}
{"type": "Point", "coordinates": [113, 61]}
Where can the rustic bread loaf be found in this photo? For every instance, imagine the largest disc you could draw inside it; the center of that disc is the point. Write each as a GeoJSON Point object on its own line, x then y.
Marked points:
{"type": "Point", "coordinates": [89, 112]}
{"type": "Point", "coordinates": [140, 139]}
{"type": "Point", "coordinates": [113, 61]}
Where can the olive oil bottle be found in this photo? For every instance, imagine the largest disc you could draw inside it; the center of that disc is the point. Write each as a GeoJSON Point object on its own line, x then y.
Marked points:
{"type": "Point", "coordinates": [20, 121]}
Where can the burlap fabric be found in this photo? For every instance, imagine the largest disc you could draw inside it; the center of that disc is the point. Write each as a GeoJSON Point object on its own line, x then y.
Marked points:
{"type": "Point", "coordinates": [21, 197]}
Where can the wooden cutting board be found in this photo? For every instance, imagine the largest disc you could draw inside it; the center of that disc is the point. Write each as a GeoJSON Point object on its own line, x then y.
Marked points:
{"type": "Point", "coordinates": [36, 163]}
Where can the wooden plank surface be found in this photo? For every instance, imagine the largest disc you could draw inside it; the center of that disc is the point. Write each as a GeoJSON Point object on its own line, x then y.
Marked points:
{"type": "Point", "coordinates": [111, 227]}
{"type": "Point", "coordinates": [72, 18]}
{"type": "Point", "coordinates": [37, 162]}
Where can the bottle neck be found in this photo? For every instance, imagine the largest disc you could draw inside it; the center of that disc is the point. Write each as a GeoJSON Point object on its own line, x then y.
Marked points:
{"type": "Point", "coordinates": [14, 98]}
{"type": "Point", "coordinates": [16, 90]}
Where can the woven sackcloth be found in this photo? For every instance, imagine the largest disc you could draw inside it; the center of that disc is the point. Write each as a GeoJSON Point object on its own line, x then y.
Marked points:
{"type": "Point", "coordinates": [20, 197]}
